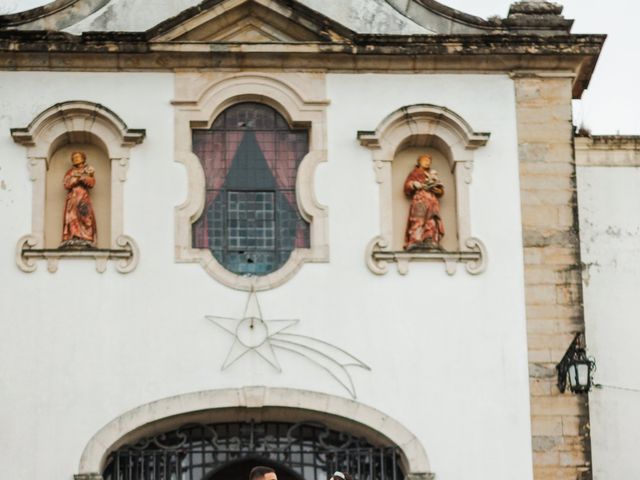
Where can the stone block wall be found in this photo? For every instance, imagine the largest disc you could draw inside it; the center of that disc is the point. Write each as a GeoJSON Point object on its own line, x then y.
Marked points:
{"type": "Point", "coordinates": [553, 279]}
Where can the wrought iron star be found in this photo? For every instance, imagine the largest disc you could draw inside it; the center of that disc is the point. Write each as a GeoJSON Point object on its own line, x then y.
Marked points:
{"type": "Point", "coordinates": [252, 333]}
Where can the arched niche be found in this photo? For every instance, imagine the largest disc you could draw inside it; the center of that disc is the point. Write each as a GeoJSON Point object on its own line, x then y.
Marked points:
{"type": "Point", "coordinates": [107, 140]}
{"type": "Point", "coordinates": [300, 99]}
{"type": "Point", "coordinates": [427, 129]}
{"type": "Point", "coordinates": [254, 404]}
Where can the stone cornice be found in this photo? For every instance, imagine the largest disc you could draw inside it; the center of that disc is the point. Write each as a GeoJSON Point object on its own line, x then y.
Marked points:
{"type": "Point", "coordinates": [494, 44]}
{"type": "Point", "coordinates": [608, 151]}
{"type": "Point", "coordinates": [630, 142]}
{"type": "Point", "coordinates": [493, 53]}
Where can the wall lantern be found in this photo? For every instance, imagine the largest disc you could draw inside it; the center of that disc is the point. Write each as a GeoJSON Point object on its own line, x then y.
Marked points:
{"type": "Point", "coordinates": [577, 367]}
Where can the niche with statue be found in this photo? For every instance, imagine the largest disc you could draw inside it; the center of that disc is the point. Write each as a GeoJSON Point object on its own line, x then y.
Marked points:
{"type": "Point", "coordinates": [423, 159]}
{"type": "Point", "coordinates": [78, 155]}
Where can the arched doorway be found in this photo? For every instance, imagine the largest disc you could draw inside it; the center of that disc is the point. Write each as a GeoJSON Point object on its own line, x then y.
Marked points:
{"type": "Point", "coordinates": [228, 451]}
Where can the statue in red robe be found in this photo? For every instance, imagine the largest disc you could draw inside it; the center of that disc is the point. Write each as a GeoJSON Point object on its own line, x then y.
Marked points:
{"type": "Point", "coordinates": [79, 223]}
{"type": "Point", "coordinates": [424, 228]}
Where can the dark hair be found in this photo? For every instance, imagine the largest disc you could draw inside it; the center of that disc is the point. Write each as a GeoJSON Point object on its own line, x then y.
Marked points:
{"type": "Point", "coordinates": [259, 472]}
{"type": "Point", "coordinates": [337, 477]}
{"type": "Point", "coordinates": [82, 154]}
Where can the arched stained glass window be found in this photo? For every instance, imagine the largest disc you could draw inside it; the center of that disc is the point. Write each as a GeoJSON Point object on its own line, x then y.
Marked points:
{"type": "Point", "coordinates": [251, 221]}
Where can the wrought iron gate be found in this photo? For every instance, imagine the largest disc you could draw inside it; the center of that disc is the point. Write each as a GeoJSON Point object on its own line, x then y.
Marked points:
{"type": "Point", "coordinates": [196, 451]}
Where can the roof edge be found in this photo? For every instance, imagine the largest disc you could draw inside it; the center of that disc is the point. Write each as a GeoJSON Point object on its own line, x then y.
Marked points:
{"type": "Point", "coordinates": [60, 13]}
{"type": "Point", "coordinates": [312, 15]}
{"type": "Point", "coordinates": [454, 14]}
{"type": "Point", "coordinates": [33, 14]}
{"type": "Point", "coordinates": [607, 141]}
{"type": "Point", "coordinates": [541, 17]}
{"type": "Point", "coordinates": [420, 11]}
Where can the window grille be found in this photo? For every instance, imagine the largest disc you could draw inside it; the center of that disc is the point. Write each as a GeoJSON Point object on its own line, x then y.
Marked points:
{"type": "Point", "coordinates": [197, 451]}
{"type": "Point", "coordinates": [251, 222]}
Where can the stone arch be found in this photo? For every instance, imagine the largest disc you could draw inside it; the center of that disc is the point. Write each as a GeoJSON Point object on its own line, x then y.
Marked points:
{"type": "Point", "coordinates": [143, 418]}
{"type": "Point", "coordinates": [82, 122]}
{"type": "Point", "coordinates": [199, 100]}
{"type": "Point", "coordinates": [403, 126]}
{"type": "Point", "coordinates": [420, 125]}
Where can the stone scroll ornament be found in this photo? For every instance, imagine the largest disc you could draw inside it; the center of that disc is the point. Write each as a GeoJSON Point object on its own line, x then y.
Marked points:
{"type": "Point", "coordinates": [252, 333]}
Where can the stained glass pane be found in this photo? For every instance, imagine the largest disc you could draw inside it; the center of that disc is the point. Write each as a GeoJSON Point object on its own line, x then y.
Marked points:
{"type": "Point", "coordinates": [251, 221]}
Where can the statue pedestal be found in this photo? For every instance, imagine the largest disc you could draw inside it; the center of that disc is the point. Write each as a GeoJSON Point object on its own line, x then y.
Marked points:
{"type": "Point", "coordinates": [378, 257]}
{"type": "Point", "coordinates": [126, 258]}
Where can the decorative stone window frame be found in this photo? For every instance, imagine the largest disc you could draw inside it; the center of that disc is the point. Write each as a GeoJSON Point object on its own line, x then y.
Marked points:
{"type": "Point", "coordinates": [450, 134]}
{"type": "Point", "coordinates": [300, 98]}
{"type": "Point", "coordinates": [82, 122]}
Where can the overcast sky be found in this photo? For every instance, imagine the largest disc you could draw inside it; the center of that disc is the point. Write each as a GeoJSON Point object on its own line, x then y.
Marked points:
{"type": "Point", "coordinates": [612, 102]}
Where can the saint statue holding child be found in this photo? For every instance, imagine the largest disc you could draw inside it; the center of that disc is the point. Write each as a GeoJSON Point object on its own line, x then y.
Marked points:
{"type": "Point", "coordinates": [79, 223]}
{"type": "Point", "coordinates": [424, 227]}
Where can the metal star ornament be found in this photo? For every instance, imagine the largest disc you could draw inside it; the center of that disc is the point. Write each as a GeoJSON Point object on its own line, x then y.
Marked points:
{"type": "Point", "coordinates": [252, 333]}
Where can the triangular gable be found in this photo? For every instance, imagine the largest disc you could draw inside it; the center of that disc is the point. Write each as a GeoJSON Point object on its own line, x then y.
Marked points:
{"type": "Point", "coordinates": [247, 21]}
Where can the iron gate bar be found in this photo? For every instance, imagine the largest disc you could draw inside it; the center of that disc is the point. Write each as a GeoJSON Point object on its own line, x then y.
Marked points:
{"type": "Point", "coordinates": [194, 451]}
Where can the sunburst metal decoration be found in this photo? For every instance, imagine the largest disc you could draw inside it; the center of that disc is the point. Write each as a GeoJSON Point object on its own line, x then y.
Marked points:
{"type": "Point", "coordinates": [252, 333]}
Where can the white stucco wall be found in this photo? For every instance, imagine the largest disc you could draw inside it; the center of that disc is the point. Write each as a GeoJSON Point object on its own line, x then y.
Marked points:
{"type": "Point", "coordinates": [609, 202]}
{"type": "Point", "coordinates": [448, 353]}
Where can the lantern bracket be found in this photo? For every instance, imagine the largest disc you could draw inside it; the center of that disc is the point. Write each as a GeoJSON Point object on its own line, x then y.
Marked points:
{"type": "Point", "coordinates": [575, 355]}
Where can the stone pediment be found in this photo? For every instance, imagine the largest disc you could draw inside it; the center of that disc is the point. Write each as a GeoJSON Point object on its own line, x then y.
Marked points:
{"type": "Point", "coordinates": [250, 21]}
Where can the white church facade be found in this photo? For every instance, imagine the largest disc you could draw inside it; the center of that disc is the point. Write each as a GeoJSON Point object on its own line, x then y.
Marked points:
{"type": "Point", "coordinates": [228, 272]}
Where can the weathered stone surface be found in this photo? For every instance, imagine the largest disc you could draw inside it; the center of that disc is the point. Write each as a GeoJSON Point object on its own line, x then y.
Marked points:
{"type": "Point", "coordinates": [553, 284]}
{"type": "Point", "coordinates": [540, 371]}
{"type": "Point", "coordinates": [608, 151]}
{"type": "Point", "coordinates": [544, 238]}
{"type": "Point", "coordinates": [558, 404]}
{"type": "Point", "coordinates": [547, 426]}
{"type": "Point", "coordinates": [537, 16]}
{"type": "Point", "coordinates": [536, 7]}
{"type": "Point", "coordinates": [88, 476]}
{"type": "Point", "coordinates": [52, 16]}
{"type": "Point", "coordinates": [349, 51]}
{"type": "Point", "coordinates": [546, 168]}
{"type": "Point", "coordinates": [542, 443]}
{"type": "Point", "coordinates": [550, 181]}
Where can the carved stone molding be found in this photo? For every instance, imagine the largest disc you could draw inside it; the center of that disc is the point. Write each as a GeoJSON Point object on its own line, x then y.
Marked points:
{"type": "Point", "coordinates": [155, 415]}
{"type": "Point", "coordinates": [410, 476]}
{"type": "Point", "coordinates": [63, 123]}
{"type": "Point", "coordinates": [300, 98]}
{"type": "Point", "coordinates": [93, 476]}
{"type": "Point", "coordinates": [455, 138]}
{"type": "Point", "coordinates": [126, 257]}
{"type": "Point", "coordinates": [378, 256]}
